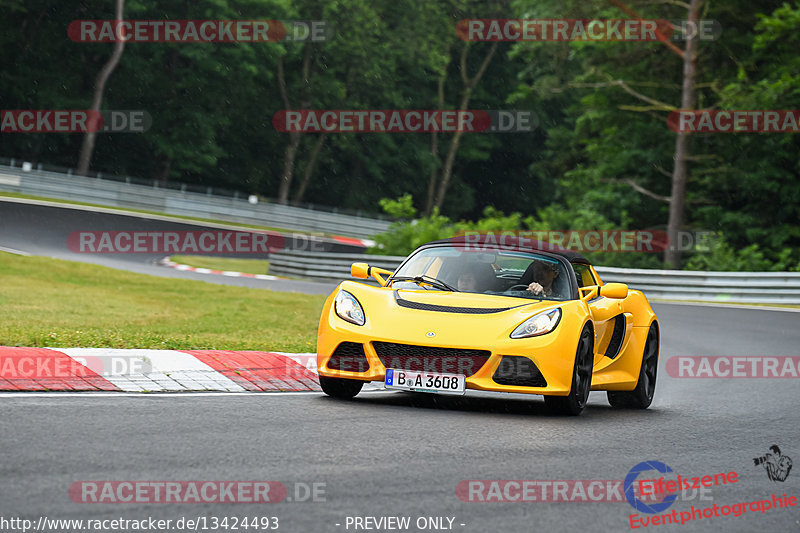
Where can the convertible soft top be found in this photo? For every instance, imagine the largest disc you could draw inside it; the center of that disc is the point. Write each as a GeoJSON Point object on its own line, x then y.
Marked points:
{"type": "Point", "coordinates": [511, 242]}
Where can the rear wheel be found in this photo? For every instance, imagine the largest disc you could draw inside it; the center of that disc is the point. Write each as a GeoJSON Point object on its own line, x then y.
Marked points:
{"type": "Point", "coordinates": [340, 387]}
{"type": "Point", "coordinates": [575, 401]}
{"type": "Point", "coordinates": [642, 396]}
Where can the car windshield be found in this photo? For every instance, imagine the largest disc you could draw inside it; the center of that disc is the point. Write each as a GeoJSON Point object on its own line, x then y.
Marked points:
{"type": "Point", "coordinates": [508, 273]}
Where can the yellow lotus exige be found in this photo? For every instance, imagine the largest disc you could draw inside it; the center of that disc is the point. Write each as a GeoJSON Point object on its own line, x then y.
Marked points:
{"type": "Point", "coordinates": [517, 317]}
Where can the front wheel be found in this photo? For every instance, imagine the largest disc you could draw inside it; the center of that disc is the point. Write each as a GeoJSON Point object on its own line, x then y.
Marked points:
{"type": "Point", "coordinates": [642, 396]}
{"type": "Point", "coordinates": [340, 387]}
{"type": "Point", "coordinates": [575, 401]}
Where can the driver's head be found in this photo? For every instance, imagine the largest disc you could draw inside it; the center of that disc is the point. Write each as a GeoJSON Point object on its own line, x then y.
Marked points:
{"type": "Point", "coordinates": [475, 277]}
{"type": "Point", "coordinates": [545, 272]}
{"type": "Point", "coordinates": [467, 281]}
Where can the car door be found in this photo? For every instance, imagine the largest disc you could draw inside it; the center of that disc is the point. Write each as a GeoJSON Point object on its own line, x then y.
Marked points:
{"type": "Point", "coordinates": [612, 326]}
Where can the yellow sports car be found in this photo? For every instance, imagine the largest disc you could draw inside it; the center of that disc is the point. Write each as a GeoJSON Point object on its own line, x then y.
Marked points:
{"type": "Point", "coordinates": [517, 317]}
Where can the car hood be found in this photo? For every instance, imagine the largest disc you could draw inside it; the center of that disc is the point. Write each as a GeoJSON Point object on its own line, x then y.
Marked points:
{"type": "Point", "coordinates": [460, 302]}
{"type": "Point", "coordinates": [463, 315]}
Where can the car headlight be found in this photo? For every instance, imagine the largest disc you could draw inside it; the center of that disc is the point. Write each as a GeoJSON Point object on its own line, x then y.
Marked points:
{"type": "Point", "coordinates": [544, 322]}
{"type": "Point", "coordinates": [348, 308]}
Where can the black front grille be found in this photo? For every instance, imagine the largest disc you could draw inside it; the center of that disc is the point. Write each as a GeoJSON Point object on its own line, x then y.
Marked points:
{"type": "Point", "coordinates": [518, 371]}
{"type": "Point", "coordinates": [349, 357]}
{"type": "Point", "coordinates": [430, 359]}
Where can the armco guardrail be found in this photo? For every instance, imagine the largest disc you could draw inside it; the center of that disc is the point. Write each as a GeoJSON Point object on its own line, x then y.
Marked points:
{"type": "Point", "coordinates": [185, 203]}
{"type": "Point", "coordinates": [742, 287]}
{"type": "Point", "coordinates": [327, 266]}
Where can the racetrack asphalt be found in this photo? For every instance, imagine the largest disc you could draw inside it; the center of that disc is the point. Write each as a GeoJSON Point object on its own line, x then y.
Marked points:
{"type": "Point", "coordinates": [399, 454]}
{"type": "Point", "coordinates": [39, 228]}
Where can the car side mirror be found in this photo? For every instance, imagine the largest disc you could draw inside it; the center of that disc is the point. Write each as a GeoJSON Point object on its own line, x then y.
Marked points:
{"type": "Point", "coordinates": [614, 290]}
{"type": "Point", "coordinates": [364, 271]}
{"type": "Point", "coordinates": [359, 270]}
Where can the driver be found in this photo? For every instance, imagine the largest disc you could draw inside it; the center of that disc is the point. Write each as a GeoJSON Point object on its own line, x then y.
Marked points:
{"type": "Point", "coordinates": [467, 282]}
{"type": "Point", "coordinates": [475, 277]}
{"type": "Point", "coordinates": [544, 274]}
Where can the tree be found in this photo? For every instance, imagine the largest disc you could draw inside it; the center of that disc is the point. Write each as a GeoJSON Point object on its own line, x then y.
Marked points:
{"type": "Point", "coordinates": [677, 198]}
{"type": "Point", "coordinates": [469, 83]}
{"type": "Point", "coordinates": [617, 150]}
{"type": "Point", "coordinates": [87, 148]}
{"type": "Point", "coordinates": [290, 154]}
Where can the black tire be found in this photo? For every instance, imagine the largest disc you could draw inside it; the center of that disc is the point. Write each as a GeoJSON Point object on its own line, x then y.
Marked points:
{"type": "Point", "coordinates": [642, 396]}
{"type": "Point", "coordinates": [575, 401]}
{"type": "Point", "coordinates": [340, 387]}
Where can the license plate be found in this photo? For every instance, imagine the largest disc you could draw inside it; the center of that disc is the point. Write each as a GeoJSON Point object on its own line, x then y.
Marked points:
{"type": "Point", "coordinates": [412, 380]}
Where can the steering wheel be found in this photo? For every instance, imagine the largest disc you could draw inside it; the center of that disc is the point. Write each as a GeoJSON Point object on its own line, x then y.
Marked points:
{"type": "Point", "coordinates": [518, 287]}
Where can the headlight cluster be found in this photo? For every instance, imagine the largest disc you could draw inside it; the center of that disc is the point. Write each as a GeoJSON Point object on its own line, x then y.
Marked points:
{"type": "Point", "coordinates": [348, 308]}
{"type": "Point", "coordinates": [540, 324]}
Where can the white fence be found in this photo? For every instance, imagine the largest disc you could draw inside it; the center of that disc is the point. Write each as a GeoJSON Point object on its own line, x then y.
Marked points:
{"type": "Point", "coordinates": [183, 202]}
{"type": "Point", "coordinates": [743, 287]}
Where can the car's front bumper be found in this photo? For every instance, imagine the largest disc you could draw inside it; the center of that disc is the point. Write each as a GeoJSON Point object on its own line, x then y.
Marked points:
{"type": "Point", "coordinates": [551, 355]}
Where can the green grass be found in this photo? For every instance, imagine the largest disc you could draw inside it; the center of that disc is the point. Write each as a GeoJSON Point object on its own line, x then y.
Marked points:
{"type": "Point", "coordinates": [250, 266]}
{"type": "Point", "coordinates": [55, 303]}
